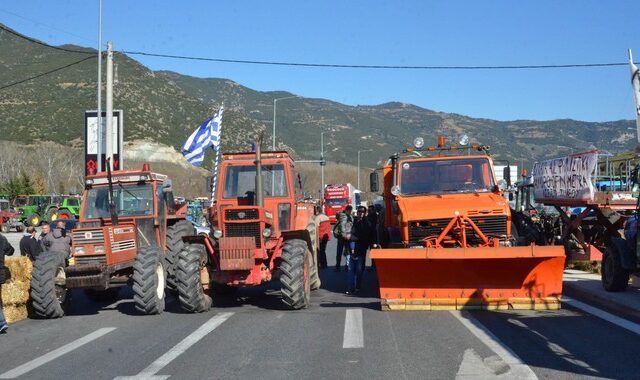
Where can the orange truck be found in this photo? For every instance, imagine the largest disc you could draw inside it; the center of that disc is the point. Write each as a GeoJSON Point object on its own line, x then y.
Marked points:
{"type": "Point", "coordinates": [452, 244]}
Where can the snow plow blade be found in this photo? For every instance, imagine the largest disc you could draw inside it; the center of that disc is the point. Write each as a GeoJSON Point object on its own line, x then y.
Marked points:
{"type": "Point", "coordinates": [490, 278]}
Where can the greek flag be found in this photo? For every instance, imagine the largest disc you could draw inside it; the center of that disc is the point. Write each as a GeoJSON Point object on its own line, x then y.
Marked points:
{"type": "Point", "coordinates": [207, 135]}
{"type": "Point", "coordinates": [635, 84]}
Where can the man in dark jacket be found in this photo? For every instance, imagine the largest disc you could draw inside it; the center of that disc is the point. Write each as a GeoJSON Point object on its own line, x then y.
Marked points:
{"type": "Point", "coordinates": [5, 249]}
{"type": "Point", "coordinates": [46, 230]}
{"type": "Point", "coordinates": [58, 240]}
{"type": "Point", "coordinates": [342, 232]}
{"type": "Point", "coordinates": [29, 245]}
{"type": "Point", "coordinates": [362, 235]}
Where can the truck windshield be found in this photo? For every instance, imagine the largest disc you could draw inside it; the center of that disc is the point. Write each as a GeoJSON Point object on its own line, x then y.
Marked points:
{"type": "Point", "coordinates": [130, 200]}
{"type": "Point", "coordinates": [240, 181]}
{"type": "Point", "coordinates": [336, 202]}
{"type": "Point", "coordinates": [446, 176]}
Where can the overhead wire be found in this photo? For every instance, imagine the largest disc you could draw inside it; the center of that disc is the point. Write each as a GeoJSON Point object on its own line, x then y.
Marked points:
{"type": "Point", "coordinates": [46, 73]}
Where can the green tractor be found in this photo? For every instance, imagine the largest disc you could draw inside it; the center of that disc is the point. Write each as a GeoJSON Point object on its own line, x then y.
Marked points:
{"type": "Point", "coordinates": [31, 208]}
{"type": "Point", "coordinates": [63, 207]}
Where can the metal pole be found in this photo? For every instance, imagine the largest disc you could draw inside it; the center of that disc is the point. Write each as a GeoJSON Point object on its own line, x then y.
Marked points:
{"type": "Point", "coordinates": [99, 118]}
{"type": "Point", "coordinates": [321, 164]}
{"type": "Point", "coordinates": [273, 146]}
{"type": "Point", "coordinates": [359, 169]}
{"type": "Point", "coordinates": [109, 112]}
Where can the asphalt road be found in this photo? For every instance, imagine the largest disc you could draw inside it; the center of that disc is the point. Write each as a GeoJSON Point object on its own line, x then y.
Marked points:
{"type": "Point", "coordinates": [338, 337]}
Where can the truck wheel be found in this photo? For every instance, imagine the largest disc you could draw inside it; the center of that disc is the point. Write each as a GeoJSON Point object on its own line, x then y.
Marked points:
{"type": "Point", "coordinates": [34, 220]}
{"type": "Point", "coordinates": [65, 214]}
{"type": "Point", "coordinates": [174, 246]}
{"type": "Point", "coordinates": [108, 295]}
{"type": "Point", "coordinates": [4, 228]}
{"type": "Point", "coordinates": [295, 278]}
{"type": "Point", "coordinates": [52, 214]}
{"type": "Point", "coordinates": [190, 273]}
{"type": "Point", "coordinates": [149, 281]}
{"type": "Point", "coordinates": [48, 290]}
{"type": "Point", "coordinates": [614, 277]}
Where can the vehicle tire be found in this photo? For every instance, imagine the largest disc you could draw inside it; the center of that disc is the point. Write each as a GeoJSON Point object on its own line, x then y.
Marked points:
{"type": "Point", "coordinates": [614, 277]}
{"type": "Point", "coordinates": [98, 296]}
{"type": "Point", "coordinates": [48, 291]}
{"type": "Point", "coordinates": [34, 220]}
{"type": "Point", "coordinates": [65, 214]}
{"type": "Point", "coordinates": [52, 214]}
{"type": "Point", "coordinates": [5, 228]}
{"type": "Point", "coordinates": [295, 277]}
{"type": "Point", "coordinates": [174, 246]}
{"type": "Point", "coordinates": [19, 228]}
{"type": "Point", "coordinates": [189, 267]}
{"type": "Point", "coordinates": [315, 276]}
{"type": "Point", "coordinates": [149, 281]}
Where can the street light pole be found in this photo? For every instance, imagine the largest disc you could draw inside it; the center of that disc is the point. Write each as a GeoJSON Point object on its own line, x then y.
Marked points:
{"type": "Point", "coordinates": [365, 150]}
{"type": "Point", "coordinates": [99, 113]}
{"type": "Point", "coordinates": [322, 159]}
{"type": "Point", "coordinates": [273, 146]}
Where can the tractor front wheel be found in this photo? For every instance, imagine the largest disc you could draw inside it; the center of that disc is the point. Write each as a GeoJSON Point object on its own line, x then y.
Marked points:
{"type": "Point", "coordinates": [65, 214]}
{"type": "Point", "coordinates": [4, 228]}
{"type": "Point", "coordinates": [34, 220]}
{"type": "Point", "coordinates": [175, 245]}
{"type": "Point", "coordinates": [295, 277]}
{"type": "Point", "coordinates": [191, 274]}
{"type": "Point", "coordinates": [52, 214]}
{"type": "Point", "coordinates": [149, 281]}
{"type": "Point", "coordinates": [48, 289]}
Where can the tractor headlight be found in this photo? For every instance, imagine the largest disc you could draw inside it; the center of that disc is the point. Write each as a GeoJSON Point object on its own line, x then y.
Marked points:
{"type": "Point", "coordinates": [395, 190]}
{"type": "Point", "coordinates": [79, 251]}
{"type": "Point", "coordinates": [266, 232]}
{"type": "Point", "coordinates": [99, 249]}
{"type": "Point", "coordinates": [217, 233]}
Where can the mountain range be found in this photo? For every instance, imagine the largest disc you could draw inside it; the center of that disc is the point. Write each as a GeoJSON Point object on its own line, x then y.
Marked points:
{"type": "Point", "coordinates": [165, 107]}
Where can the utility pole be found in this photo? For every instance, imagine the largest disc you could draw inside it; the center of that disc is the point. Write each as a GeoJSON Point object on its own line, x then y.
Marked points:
{"type": "Point", "coordinates": [99, 117]}
{"type": "Point", "coordinates": [322, 163]}
{"type": "Point", "coordinates": [109, 153]}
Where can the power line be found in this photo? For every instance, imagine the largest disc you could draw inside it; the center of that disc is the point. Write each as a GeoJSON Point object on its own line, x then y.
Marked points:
{"type": "Point", "coordinates": [348, 66]}
{"type": "Point", "coordinates": [32, 40]}
{"type": "Point", "coordinates": [46, 73]}
{"type": "Point", "coordinates": [45, 25]}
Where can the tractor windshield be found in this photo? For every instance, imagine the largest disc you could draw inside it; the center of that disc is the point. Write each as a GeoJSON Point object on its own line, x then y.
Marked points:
{"type": "Point", "coordinates": [130, 200]}
{"type": "Point", "coordinates": [20, 201]}
{"type": "Point", "coordinates": [441, 176]}
{"type": "Point", "coordinates": [4, 205]}
{"type": "Point", "coordinates": [240, 181]}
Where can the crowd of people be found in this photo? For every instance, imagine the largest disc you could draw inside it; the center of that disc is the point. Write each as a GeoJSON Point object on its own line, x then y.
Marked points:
{"type": "Point", "coordinates": [355, 236]}
{"type": "Point", "coordinates": [32, 245]}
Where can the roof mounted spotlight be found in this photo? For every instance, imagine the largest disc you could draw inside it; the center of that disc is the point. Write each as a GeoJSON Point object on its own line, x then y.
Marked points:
{"type": "Point", "coordinates": [464, 140]}
{"type": "Point", "coordinates": [418, 142]}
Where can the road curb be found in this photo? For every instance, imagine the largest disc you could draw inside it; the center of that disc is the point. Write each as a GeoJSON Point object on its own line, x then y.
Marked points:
{"type": "Point", "coordinates": [573, 290]}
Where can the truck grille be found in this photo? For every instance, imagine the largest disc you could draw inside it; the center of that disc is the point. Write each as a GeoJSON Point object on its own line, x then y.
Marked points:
{"type": "Point", "coordinates": [244, 229]}
{"type": "Point", "coordinates": [235, 214]}
{"type": "Point", "coordinates": [99, 259]}
{"type": "Point", "coordinates": [489, 225]}
{"type": "Point", "coordinates": [82, 237]}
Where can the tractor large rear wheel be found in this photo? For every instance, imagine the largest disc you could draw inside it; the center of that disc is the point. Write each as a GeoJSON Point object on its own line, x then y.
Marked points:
{"type": "Point", "coordinates": [614, 277]}
{"type": "Point", "coordinates": [52, 214]}
{"type": "Point", "coordinates": [295, 277]}
{"type": "Point", "coordinates": [191, 273]}
{"type": "Point", "coordinates": [65, 214]}
{"type": "Point", "coordinates": [34, 220]}
{"type": "Point", "coordinates": [149, 281]}
{"type": "Point", "coordinates": [48, 289]}
{"type": "Point", "coordinates": [175, 245]}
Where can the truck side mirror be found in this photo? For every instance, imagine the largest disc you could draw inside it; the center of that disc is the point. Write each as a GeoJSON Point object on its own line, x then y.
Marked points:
{"type": "Point", "coordinates": [373, 182]}
{"type": "Point", "coordinates": [506, 174]}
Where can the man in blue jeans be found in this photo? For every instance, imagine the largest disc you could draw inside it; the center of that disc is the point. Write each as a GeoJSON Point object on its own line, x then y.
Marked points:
{"type": "Point", "coordinates": [343, 234]}
{"type": "Point", "coordinates": [5, 249]}
{"type": "Point", "coordinates": [361, 235]}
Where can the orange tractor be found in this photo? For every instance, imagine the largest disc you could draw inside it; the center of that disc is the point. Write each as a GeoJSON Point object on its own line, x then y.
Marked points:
{"type": "Point", "coordinates": [260, 232]}
{"type": "Point", "coordinates": [451, 240]}
{"type": "Point", "coordinates": [129, 233]}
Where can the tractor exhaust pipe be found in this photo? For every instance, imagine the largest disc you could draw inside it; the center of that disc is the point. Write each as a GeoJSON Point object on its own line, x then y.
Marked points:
{"type": "Point", "coordinates": [259, 191]}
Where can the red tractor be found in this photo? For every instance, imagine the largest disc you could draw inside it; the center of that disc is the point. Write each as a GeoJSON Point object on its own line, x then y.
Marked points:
{"type": "Point", "coordinates": [259, 233]}
{"type": "Point", "coordinates": [129, 233]}
{"type": "Point", "coordinates": [8, 218]}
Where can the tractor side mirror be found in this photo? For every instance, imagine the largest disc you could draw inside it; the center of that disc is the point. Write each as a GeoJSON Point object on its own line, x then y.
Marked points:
{"type": "Point", "coordinates": [373, 182]}
{"type": "Point", "coordinates": [506, 174]}
{"type": "Point", "coordinates": [167, 187]}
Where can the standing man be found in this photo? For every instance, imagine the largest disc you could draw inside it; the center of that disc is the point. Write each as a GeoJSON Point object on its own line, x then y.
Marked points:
{"type": "Point", "coordinates": [46, 230]}
{"type": "Point", "coordinates": [5, 249]}
{"type": "Point", "coordinates": [58, 241]}
{"type": "Point", "coordinates": [342, 232]}
{"type": "Point", "coordinates": [29, 245]}
{"type": "Point", "coordinates": [362, 236]}
{"type": "Point", "coordinates": [324, 232]}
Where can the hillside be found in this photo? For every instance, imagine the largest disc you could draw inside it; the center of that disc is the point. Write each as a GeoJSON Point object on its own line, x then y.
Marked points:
{"type": "Point", "coordinates": [166, 107]}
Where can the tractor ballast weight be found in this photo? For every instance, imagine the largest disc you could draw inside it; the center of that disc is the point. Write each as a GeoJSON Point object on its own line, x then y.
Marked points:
{"type": "Point", "coordinates": [452, 243]}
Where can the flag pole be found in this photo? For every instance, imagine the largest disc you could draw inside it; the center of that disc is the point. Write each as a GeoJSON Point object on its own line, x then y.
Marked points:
{"type": "Point", "coordinates": [635, 85]}
{"type": "Point", "coordinates": [216, 161]}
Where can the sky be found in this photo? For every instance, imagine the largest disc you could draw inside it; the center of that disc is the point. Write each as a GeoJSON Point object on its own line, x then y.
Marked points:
{"type": "Point", "coordinates": [371, 32]}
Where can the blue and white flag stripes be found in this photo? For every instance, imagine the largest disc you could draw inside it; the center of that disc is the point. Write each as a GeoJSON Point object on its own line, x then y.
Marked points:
{"type": "Point", "coordinates": [207, 135]}
{"type": "Point", "coordinates": [635, 84]}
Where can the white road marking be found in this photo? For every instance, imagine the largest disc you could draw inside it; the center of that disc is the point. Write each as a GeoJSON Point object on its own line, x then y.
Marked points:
{"type": "Point", "coordinates": [46, 358]}
{"type": "Point", "coordinates": [179, 349]}
{"type": "Point", "coordinates": [625, 324]}
{"type": "Point", "coordinates": [517, 370]}
{"type": "Point", "coordinates": [557, 349]}
{"type": "Point", "coordinates": [353, 334]}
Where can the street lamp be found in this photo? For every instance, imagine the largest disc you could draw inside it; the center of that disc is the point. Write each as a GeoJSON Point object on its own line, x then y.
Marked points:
{"type": "Point", "coordinates": [274, 117]}
{"type": "Point", "coordinates": [365, 150]}
{"type": "Point", "coordinates": [322, 163]}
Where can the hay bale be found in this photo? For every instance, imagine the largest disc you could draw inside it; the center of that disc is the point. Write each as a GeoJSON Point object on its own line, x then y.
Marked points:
{"type": "Point", "coordinates": [14, 313]}
{"type": "Point", "coordinates": [15, 292]}
{"type": "Point", "coordinates": [20, 268]}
